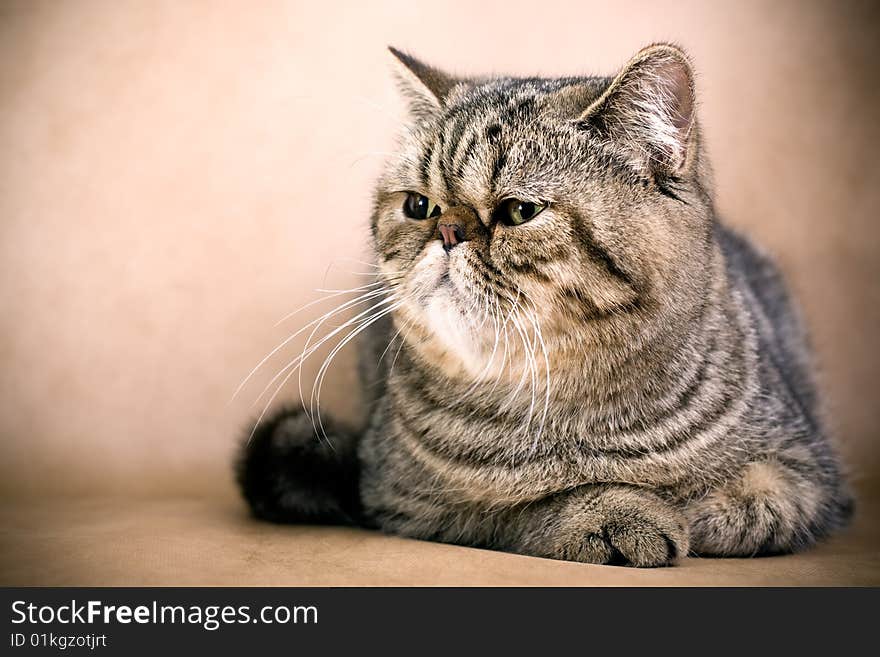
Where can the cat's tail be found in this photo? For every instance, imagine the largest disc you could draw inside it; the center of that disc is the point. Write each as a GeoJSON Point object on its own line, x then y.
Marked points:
{"type": "Point", "coordinates": [288, 472]}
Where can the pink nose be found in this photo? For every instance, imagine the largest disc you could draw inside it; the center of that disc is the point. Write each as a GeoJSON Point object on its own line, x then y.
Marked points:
{"type": "Point", "coordinates": [452, 234]}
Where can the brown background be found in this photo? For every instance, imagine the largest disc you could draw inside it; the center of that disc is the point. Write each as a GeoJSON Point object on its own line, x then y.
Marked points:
{"type": "Point", "coordinates": [175, 177]}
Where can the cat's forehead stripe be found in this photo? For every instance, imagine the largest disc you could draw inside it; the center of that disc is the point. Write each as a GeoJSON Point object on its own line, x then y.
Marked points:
{"type": "Point", "coordinates": [458, 139]}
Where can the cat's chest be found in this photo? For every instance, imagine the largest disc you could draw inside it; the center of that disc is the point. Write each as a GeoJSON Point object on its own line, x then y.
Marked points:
{"type": "Point", "coordinates": [473, 458]}
{"type": "Point", "coordinates": [463, 453]}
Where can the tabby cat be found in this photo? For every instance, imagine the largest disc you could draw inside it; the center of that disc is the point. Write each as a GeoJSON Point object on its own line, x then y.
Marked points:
{"type": "Point", "coordinates": [584, 363]}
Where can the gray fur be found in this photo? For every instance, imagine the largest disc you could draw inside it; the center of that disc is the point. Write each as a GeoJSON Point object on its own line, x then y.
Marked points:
{"type": "Point", "coordinates": [655, 395]}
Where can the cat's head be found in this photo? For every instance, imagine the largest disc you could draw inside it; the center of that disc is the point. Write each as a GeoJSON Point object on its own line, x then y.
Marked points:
{"type": "Point", "coordinates": [574, 208]}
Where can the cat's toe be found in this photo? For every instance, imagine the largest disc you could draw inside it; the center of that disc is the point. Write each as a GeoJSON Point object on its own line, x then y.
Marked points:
{"type": "Point", "coordinates": [645, 534]}
{"type": "Point", "coordinates": [645, 544]}
{"type": "Point", "coordinates": [594, 549]}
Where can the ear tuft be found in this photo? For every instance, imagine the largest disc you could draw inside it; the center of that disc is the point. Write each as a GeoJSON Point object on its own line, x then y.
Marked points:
{"type": "Point", "coordinates": [648, 109]}
{"type": "Point", "coordinates": [425, 87]}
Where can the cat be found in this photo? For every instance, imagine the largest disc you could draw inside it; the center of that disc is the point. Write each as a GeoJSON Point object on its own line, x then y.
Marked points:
{"type": "Point", "coordinates": [587, 366]}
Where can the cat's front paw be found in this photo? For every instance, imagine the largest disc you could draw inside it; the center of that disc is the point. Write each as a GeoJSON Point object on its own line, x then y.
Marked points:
{"type": "Point", "coordinates": [617, 526]}
{"type": "Point", "coordinates": [637, 537]}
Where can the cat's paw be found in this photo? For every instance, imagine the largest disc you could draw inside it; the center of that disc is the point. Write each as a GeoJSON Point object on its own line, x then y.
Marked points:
{"type": "Point", "coordinates": [622, 526]}
{"type": "Point", "coordinates": [769, 508]}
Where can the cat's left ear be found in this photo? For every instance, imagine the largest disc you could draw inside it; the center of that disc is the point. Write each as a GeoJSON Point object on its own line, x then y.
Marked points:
{"type": "Point", "coordinates": [425, 87]}
{"type": "Point", "coordinates": [648, 109]}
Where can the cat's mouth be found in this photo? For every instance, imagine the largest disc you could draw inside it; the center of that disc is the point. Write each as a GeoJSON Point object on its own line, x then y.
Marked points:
{"type": "Point", "coordinates": [449, 285]}
{"type": "Point", "coordinates": [430, 274]}
{"type": "Point", "coordinates": [433, 280]}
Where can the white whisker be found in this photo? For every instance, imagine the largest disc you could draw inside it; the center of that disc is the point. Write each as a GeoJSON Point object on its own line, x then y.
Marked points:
{"type": "Point", "coordinates": [317, 324]}
{"type": "Point", "coordinates": [329, 294]}
{"type": "Point", "coordinates": [540, 338]}
{"type": "Point", "coordinates": [308, 351]}
{"type": "Point", "coordinates": [315, 399]}
{"type": "Point", "coordinates": [296, 363]}
{"type": "Point", "coordinates": [361, 298]}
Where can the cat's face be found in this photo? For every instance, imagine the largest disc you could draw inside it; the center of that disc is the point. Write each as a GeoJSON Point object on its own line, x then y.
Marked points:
{"type": "Point", "coordinates": [518, 208]}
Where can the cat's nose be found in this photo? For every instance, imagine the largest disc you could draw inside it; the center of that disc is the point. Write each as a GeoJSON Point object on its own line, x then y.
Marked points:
{"type": "Point", "coordinates": [458, 224]}
{"type": "Point", "coordinates": [451, 234]}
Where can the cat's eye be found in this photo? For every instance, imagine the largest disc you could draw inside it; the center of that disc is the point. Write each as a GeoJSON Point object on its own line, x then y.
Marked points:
{"type": "Point", "coordinates": [417, 206]}
{"type": "Point", "coordinates": [514, 212]}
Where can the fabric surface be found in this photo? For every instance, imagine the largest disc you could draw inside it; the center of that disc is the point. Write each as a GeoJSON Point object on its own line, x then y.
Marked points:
{"type": "Point", "coordinates": [213, 542]}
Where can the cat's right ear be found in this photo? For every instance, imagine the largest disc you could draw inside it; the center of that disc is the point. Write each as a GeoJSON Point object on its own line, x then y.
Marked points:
{"type": "Point", "coordinates": [424, 87]}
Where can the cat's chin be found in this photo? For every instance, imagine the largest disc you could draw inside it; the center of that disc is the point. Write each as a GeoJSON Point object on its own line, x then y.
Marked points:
{"type": "Point", "coordinates": [449, 337]}
{"type": "Point", "coordinates": [450, 326]}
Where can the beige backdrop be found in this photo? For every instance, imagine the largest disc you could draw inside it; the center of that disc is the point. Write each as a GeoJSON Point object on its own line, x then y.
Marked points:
{"type": "Point", "coordinates": [176, 176]}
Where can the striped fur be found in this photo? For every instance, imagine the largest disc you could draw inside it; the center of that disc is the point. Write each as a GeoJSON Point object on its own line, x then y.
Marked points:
{"type": "Point", "coordinates": [621, 379]}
